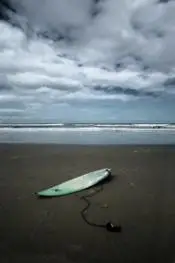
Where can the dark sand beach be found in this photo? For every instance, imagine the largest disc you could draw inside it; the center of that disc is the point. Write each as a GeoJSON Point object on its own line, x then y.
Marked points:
{"type": "Point", "coordinates": [141, 197]}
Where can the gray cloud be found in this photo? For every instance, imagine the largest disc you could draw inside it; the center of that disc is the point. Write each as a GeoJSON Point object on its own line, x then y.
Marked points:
{"type": "Point", "coordinates": [127, 91]}
{"type": "Point", "coordinates": [65, 51]}
{"type": "Point", "coordinates": [164, 1]}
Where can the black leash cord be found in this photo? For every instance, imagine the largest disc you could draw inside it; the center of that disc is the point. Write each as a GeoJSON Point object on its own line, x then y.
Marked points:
{"type": "Point", "coordinates": [109, 226]}
{"type": "Point", "coordinates": [88, 203]}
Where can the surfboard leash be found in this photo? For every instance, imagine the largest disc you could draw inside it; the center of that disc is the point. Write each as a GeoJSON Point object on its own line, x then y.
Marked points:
{"type": "Point", "coordinates": [109, 225]}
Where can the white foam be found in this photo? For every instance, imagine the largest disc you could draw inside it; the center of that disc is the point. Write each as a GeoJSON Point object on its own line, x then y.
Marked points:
{"type": "Point", "coordinates": [87, 129]}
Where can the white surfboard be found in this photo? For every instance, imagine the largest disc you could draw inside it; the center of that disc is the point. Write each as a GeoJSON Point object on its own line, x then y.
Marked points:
{"type": "Point", "coordinates": [77, 184]}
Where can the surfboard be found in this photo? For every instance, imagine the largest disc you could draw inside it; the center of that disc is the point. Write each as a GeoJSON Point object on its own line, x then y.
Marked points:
{"type": "Point", "coordinates": [76, 184]}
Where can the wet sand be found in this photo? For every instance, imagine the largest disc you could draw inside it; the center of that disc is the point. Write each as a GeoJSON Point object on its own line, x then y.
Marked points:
{"type": "Point", "coordinates": [141, 197]}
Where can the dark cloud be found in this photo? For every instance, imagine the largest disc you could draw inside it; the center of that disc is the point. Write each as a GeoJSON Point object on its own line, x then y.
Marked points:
{"type": "Point", "coordinates": [4, 84]}
{"type": "Point", "coordinates": [5, 7]}
{"type": "Point", "coordinates": [96, 8]}
{"type": "Point", "coordinates": [126, 91]}
{"type": "Point", "coordinates": [164, 1]}
{"type": "Point", "coordinates": [170, 82]}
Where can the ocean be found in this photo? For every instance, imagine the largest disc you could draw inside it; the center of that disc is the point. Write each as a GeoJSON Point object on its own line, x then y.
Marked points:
{"type": "Point", "coordinates": [89, 133]}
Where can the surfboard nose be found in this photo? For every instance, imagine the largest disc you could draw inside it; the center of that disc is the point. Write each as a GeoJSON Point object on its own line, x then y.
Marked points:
{"type": "Point", "coordinates": [109, 171]}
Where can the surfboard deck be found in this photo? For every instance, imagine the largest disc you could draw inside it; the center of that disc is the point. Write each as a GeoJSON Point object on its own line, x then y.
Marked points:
{"type": "Point", "coordinates": [76, 184]}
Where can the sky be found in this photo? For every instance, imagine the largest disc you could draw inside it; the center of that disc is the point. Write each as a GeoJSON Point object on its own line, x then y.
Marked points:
{"type": "Point", "coordinates": [87, 61]}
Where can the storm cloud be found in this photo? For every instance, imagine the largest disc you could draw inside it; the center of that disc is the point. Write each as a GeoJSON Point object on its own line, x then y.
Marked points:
{"type": "Point", "coordinates": [57, 52]}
